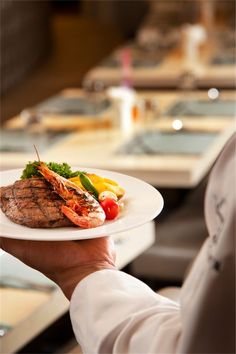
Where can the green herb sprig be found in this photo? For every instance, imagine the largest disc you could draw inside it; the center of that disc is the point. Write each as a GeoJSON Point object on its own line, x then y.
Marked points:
{"type": "Point", "coordinates": [63, 169]}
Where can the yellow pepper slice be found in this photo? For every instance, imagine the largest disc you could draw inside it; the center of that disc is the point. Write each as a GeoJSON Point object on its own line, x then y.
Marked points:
{"type": "Point", "coordinates": [76, 180]}
{"type": "Point", "coordinates": [101, 184]}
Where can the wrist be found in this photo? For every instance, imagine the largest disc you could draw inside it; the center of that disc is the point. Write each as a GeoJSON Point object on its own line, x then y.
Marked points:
{"type": "Point", "coordinates": [70, 278]}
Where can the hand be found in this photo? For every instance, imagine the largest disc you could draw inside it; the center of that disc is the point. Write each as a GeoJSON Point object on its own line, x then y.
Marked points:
{"type": "Point", "coordinates": [64, 262]}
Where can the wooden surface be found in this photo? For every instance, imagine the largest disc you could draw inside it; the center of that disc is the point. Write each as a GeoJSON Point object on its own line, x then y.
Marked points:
{"type": "Point", "coordinates": [31, 312]}
{"type": "Point", "coordinates": [19, 303]}
{"type": "Point", "coordinates": [169, 72]}
{"type": "Point", "coordinates": [163, 99]}
{"type": "Point", "coordinates": [37, 318]}
{"type": "Point", "coordinates": [97, 148]}
{"type": "Point", "coordinates": [69, 122]}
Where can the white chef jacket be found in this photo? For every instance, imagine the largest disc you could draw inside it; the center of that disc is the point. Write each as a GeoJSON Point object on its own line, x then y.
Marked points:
{"type": "Point", "coordinates": [113, 312]}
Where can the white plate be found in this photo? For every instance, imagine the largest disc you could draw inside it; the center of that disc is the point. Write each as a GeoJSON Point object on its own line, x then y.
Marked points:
{"type": "Point", "coordinates": [142, 204]}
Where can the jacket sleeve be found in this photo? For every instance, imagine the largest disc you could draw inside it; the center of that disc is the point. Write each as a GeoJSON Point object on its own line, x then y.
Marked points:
{"type": "Point", "coordinates": [113, 312]}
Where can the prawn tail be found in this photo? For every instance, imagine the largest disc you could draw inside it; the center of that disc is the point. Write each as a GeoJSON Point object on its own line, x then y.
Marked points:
{"type": "Point", "coordinates": [83, 221]}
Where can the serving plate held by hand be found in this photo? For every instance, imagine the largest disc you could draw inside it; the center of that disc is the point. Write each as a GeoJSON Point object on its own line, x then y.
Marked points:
{"type": "Point", "coordinates": [142, 204]}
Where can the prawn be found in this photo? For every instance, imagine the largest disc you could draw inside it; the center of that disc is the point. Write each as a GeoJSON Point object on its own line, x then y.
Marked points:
{"type": "Point", "coordinates": [81, 207]}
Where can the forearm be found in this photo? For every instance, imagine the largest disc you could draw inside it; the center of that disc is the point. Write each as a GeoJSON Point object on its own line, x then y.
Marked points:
{"type": "Point", "coordinates": [64, 262]}
{"type": "Point", "coordinates": [113, 312]}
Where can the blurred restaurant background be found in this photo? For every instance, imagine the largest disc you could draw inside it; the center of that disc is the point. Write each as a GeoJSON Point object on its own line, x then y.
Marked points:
{"type": "Point", "coordinates": [145, 88]}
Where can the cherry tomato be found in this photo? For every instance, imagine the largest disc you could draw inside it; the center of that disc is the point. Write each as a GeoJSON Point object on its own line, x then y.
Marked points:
{"type": "Point", "coordinates": [110, 207]}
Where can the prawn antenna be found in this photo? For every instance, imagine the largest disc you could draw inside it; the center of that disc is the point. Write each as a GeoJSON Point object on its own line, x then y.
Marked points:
{"type": "Point", "coordinates": [37, 153]}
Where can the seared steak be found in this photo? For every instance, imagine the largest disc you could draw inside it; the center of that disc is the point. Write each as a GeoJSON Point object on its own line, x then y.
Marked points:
{"type": "Point", "coordinates": [33, 203]}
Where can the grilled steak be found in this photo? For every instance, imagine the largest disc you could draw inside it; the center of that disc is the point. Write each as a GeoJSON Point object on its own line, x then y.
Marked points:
{"type": "Point", "coordinates": [33, 203]}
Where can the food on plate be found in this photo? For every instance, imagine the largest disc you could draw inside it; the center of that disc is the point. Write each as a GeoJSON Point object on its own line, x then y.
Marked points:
{"type": "Point", "coordinates": [81, 207]}
{"type": "Point", "coordinates": [63, 169]}
{"type": "Point", "coordinates": [33, 203]}
{"type": "Point", "coordinates": [87, 184]}
{"type": "Point", "coordinates": [86, 181]}
{"type": "Point", "coordinates": [52, 195]}
{"type": "Point", "coordinates": [107, 194]}
{"type": "Point", "coordinates": [110, 207]}
{"type": "Point", "coordinates": [101, 184]}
